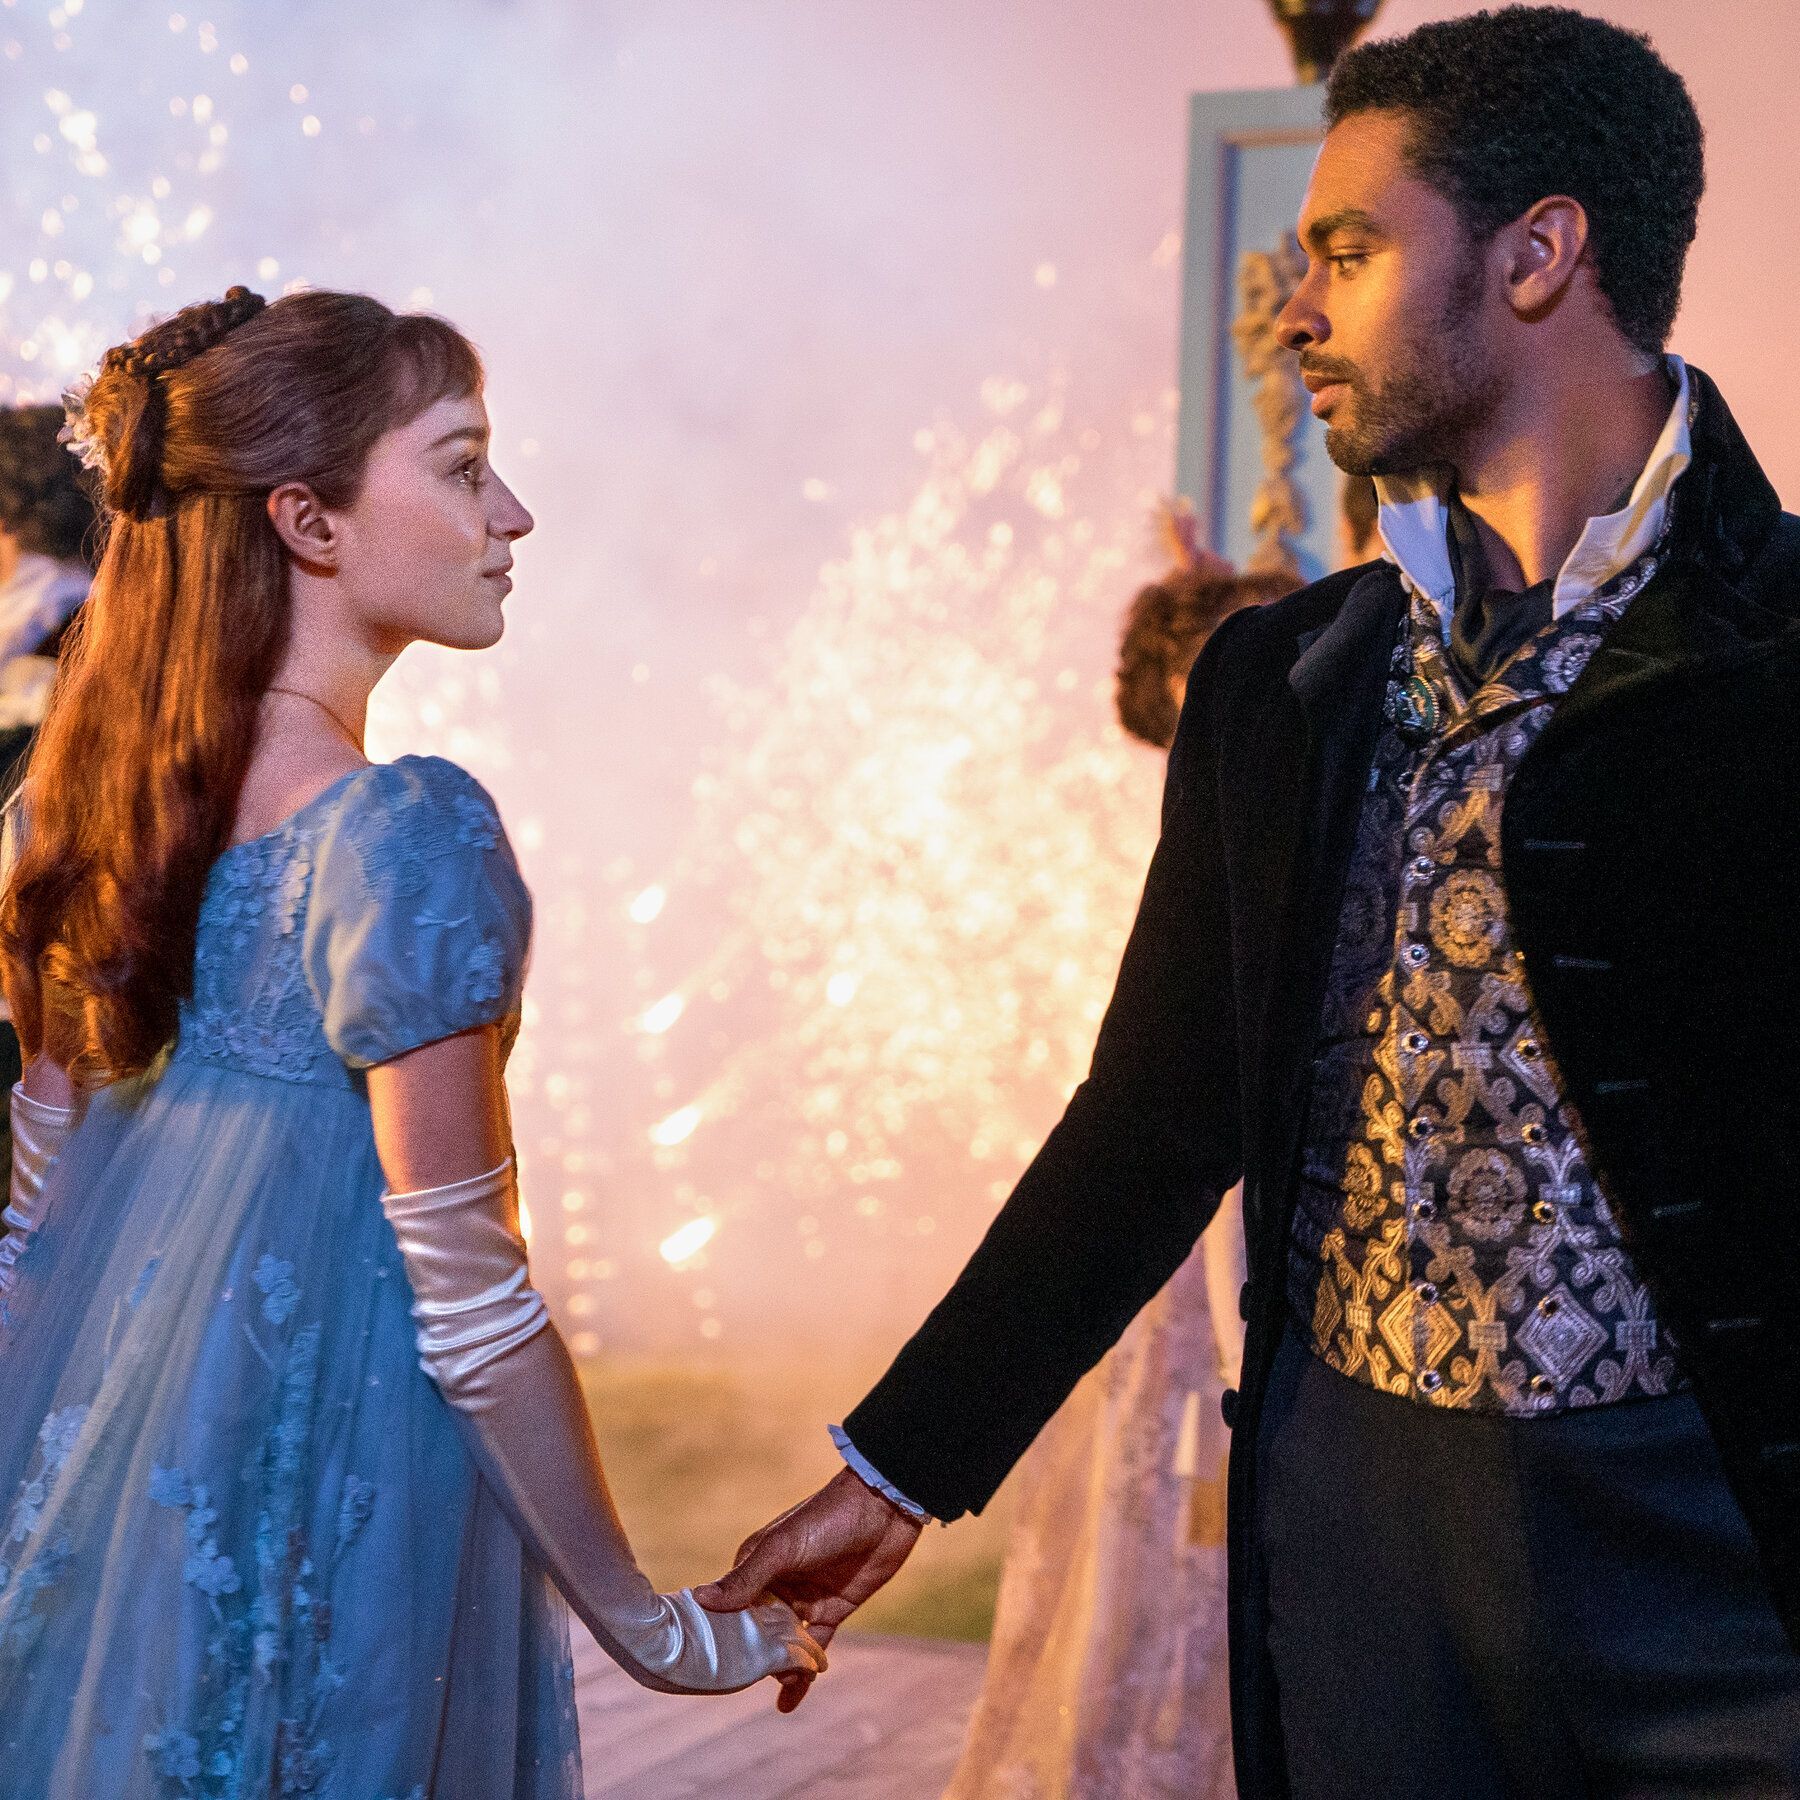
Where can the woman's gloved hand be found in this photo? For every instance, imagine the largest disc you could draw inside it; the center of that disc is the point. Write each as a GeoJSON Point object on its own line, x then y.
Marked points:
{"type": "Point", "coordinates": [681, 1648]}
{"type": "Point", "coordinates": [486, 1340]}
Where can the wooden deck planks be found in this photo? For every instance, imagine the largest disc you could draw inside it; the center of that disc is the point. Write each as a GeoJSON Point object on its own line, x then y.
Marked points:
{"type": "Point", "coordinates": [886, 1723]}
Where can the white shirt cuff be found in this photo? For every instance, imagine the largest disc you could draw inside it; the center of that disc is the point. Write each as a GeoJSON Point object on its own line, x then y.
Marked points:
{"type": "Point", "coordinates": [865, 1471]}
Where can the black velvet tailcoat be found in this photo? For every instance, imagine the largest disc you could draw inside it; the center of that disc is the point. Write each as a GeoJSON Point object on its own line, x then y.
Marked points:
{"type": "Point", "coordinates": [1649, 855]}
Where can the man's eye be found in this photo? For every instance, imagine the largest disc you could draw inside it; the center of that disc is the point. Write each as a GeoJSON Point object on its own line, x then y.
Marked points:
{"type": "Point", "coordinates": [1347, 262]}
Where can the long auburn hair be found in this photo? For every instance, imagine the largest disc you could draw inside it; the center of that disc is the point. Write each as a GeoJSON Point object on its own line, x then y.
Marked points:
{"type": "Point", "coordinates": [132, 789]}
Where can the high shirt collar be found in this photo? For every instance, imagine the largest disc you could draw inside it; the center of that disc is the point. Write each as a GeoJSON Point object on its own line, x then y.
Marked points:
{"type": "Point", "coordinates": [1414, 519]}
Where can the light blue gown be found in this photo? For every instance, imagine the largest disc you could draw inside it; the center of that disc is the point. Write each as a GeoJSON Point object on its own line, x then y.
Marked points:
{"type": "Point", "coordinates": [243, 1551]}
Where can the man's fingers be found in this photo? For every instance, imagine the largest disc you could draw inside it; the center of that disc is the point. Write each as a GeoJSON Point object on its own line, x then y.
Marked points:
{"type": "Point", "coordinates": [708, 1595]}
{"type": "Point", "coordinates": [730, 1593]}
{"type": "Point", "coordinates": [793, 1690]}
{"type": "Point", "coordinates": [824, 1615]}
{"type": "Point", "coordinates": [744, 1585]}
{"type": "Point", "coordinates": [748, 1546]}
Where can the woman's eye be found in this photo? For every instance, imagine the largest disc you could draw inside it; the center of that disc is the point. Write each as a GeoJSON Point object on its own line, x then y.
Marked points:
{"type": "Point", "coordinates": [471, 473]}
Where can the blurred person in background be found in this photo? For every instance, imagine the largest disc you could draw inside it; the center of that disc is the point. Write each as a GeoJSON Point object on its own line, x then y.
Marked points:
{"type": "Point", "coordinates": [47, 531]}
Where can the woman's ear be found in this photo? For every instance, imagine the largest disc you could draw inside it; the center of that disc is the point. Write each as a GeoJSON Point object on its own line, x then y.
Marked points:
{"type": "Point", "coordinates": [304, 526]}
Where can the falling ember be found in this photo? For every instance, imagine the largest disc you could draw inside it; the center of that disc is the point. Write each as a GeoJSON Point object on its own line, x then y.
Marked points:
{"type": "Point", "coordinates": [647, 905]}
{"type": "Point", "coordinates": [685, 1243]}
{"type": "Point", "coordinates": [658, 1018]}
{"type": "Point", "coordinates": [524, 1220]}
{"type": "Point", "coordinates": [677, 1128]}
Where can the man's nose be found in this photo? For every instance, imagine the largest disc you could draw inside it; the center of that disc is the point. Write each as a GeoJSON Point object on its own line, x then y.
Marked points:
{"type": "Point", "coordinates": [1298, 325]}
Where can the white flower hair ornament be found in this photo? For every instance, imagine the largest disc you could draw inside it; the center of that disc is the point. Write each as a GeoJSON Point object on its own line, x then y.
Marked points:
{"type": "Point", "coordinates": [77, 429]}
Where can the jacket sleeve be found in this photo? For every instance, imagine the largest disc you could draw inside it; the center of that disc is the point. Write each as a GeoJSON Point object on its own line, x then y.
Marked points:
{"type": "Point", "coordinates": [1120, 1191]}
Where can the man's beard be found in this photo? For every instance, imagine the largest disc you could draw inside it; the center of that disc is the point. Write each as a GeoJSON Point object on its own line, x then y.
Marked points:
{"type": "Point", "coordinates": [1439, 387]}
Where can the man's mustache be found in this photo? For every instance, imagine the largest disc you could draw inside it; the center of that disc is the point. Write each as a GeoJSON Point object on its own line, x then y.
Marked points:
{"type": "Point", "coordinates": [1325, 368]}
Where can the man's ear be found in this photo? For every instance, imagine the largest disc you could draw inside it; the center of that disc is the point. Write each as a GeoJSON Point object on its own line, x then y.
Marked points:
{"type": "Point", "coordinates": [304, 526]}
{"type": "Point", "coordinates": [1544, 248]}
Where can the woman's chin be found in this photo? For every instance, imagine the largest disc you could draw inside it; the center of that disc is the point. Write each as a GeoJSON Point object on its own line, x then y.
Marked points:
{"type": "Point", "coordinates": [480, 628]}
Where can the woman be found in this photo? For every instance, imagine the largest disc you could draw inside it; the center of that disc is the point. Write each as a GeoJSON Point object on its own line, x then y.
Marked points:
{"type": "Point", "coordinates": [258, 1542]}
{"type": "Point", "coordinates": [1107, 1670]}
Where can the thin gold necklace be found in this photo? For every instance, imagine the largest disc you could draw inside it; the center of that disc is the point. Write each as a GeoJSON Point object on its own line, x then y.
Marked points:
{"type": "Point", "coordinates": [300, 694]}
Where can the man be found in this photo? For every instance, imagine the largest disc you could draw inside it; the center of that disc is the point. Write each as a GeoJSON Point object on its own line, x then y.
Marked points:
{"type": "Point", "coordinates": [1468, 942]}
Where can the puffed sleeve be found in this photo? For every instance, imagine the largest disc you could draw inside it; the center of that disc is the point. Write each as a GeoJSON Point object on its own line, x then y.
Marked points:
{"type": "Point", "coordinates": [419, 924]}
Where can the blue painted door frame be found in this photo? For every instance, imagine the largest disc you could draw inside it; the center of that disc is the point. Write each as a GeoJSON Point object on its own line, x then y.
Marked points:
{"type": "Point", "coordinates": [1248, 161]}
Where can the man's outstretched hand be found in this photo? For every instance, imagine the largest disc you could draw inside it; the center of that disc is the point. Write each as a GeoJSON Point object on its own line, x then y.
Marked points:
{"type": "Point", "coordinates": [824, 1557]}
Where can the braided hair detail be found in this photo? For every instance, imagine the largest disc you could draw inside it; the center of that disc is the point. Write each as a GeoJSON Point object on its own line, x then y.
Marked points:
{"type": "Point", "coordinates": [131, 458]}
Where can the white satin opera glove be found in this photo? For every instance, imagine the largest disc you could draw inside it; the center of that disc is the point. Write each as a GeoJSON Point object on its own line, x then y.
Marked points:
{"type": "Point", "coordinates": [39, 1132]}
{"type": "Point", "coordinates": [486, 1340]}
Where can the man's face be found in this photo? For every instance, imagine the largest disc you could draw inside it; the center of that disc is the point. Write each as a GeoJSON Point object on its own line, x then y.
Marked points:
{"type": "Point", "coordinates": [1391, 323]}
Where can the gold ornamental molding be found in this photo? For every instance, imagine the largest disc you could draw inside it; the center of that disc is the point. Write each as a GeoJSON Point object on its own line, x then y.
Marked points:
{"type": "Point", "coordinates": [1265, 281]}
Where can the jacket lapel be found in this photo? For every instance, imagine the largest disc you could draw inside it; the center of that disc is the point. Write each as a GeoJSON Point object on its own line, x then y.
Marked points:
{"type": "Point", "coordinates": [1340, 676]}
{"type": "Point", "coordinates": [1339, 679]}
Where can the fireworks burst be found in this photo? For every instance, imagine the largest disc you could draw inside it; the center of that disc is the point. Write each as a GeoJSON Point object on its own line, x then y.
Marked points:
{"type": "Point", "coordinates": [834, 1025]}
{"type": "Point", "coordinates": [927, 836]}
{"type": "Point", "coordinates": [112, 215]}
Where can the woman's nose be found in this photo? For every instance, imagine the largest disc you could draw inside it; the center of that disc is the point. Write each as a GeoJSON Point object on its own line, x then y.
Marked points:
{"type": "Point", "coordinates": [513, 521]}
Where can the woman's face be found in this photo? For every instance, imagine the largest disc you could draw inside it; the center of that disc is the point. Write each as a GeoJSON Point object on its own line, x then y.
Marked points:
{"type": "Point", "coordinates": [424, 551]}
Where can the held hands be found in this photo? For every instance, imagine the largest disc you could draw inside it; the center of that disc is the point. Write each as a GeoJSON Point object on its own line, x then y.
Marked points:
{"type": "Point", "coordinates": [824, 1557]}
{"type": "Point", "coordinates": [671, 1643]}
{"type": "Point", "coordinates": [486, 1340]}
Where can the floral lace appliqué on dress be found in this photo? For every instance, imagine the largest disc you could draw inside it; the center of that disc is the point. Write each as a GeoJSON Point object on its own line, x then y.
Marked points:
{"type": "Point", "coordinates": [272, 1631]}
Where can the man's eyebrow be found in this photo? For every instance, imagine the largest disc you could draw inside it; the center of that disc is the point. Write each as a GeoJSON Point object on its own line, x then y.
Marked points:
{"type": "Point", "coordinates": [1347, 218]}
{"type": "Point", "coordinates": [476, 434]}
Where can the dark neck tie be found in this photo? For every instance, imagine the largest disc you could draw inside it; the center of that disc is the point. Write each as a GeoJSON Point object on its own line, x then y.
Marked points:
{"type": "Point", "coordinates": [1488, 624]}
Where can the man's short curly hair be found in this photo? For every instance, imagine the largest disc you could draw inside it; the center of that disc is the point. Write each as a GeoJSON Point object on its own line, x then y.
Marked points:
{"type": "Point", "coordinates": [1507, 107]}
{"type": "Point", "coordinates": [44, 494]}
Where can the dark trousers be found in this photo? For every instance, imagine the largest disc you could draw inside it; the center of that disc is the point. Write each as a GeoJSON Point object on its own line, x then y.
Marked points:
{"type": "Point", "coordinates": [1470, 1605]}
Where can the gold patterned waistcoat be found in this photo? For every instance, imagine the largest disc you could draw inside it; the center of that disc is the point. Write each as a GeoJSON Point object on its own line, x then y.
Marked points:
{"type": "Point", "coordinates": [1451, 1244]}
